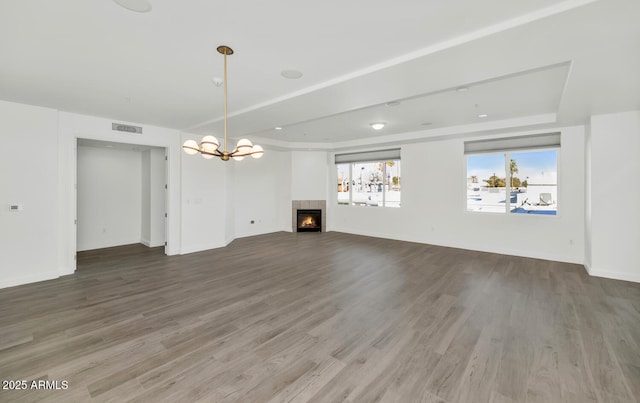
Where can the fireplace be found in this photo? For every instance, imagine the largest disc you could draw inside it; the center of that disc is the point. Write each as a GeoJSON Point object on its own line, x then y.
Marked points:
{"type": "Point", "coordinates": [309, 220]}
{"type": "Point", "coordinates": [312, 206]}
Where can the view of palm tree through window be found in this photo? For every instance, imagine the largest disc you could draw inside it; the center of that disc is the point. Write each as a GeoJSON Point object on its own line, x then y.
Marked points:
{"type": "Point", "coordinates": [529, 178]}
{"type": "Point", "coordinates": [369, 183]}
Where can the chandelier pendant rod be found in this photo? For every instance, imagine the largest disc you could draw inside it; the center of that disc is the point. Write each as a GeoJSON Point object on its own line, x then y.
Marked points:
{"type": "Point", "coordinates": [209, 146]}
{"type": "Point", "coordinates": [225, 100]}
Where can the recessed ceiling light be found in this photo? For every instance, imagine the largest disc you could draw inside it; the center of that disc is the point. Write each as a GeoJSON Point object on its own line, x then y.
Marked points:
{"type": "Point", "coordinates": [426, 124]}
{"type": "Point", "coordinates": [462, 89]}
{"type": "Point", "coordinates": [377, 125]}
{"type": "Point", "coordinates": [393, 103]}
{"type": "Point", "coordinates": [278, 128]}
{"type": "Point", "coordinates": [482, 115]}
{"type": "Point", "coordinates": [139, 6]}
{"type": "Point", "coordinates": [291, 74]}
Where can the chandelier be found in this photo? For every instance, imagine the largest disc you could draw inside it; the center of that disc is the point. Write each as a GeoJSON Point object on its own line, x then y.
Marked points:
{"type": "Point", "coordinates": [209, 147]}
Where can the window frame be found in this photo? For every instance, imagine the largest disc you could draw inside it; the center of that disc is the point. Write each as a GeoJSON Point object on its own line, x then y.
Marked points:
{"type": "Point", "coordinates": [507, 158]}
{"type": "Point", "coordinates": [350, 202]}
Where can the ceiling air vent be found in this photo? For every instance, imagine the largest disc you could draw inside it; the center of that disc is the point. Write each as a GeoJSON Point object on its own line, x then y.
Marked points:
{"type": "Point", "coordinates": [126, 128]}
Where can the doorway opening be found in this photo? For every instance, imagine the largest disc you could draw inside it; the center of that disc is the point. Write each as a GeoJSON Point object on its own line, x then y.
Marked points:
{"type": "Point", "coordinates": [121, 196]}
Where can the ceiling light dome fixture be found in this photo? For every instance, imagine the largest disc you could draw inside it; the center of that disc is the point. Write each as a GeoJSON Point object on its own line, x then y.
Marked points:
{"type": "Point", "coordinates": [377, 125]}
{"type": "Point", "coordinates": [209, 147]}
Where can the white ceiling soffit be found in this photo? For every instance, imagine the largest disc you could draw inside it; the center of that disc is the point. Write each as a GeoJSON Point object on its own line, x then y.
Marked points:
{"type": "Point", "coordinates": [156, 68]}
{"type": "Point", "coordinates": [528, 93]}
{"type": "Point", "coordinates": [82, 142]}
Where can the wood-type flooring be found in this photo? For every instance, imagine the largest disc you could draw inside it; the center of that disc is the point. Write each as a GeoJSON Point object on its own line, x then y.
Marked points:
{"type": "Point", "coordinates": [321, 317]}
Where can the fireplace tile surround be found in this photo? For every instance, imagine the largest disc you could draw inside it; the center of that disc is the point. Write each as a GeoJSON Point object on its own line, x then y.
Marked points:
{"type": "Point", "coordinates": [308, 205]}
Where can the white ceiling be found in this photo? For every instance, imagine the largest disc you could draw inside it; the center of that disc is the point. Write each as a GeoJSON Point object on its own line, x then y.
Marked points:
{"type": "Point", "coordinates": [525, 63]}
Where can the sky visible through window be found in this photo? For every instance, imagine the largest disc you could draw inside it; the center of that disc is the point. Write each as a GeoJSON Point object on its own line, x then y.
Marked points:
{"type": "Point", "coordinates": [485, 165]}
{"type": "Point", "coordinates": [530, 164]}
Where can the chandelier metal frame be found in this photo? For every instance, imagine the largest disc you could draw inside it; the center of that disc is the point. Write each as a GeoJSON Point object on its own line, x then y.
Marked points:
{"type": "Point", "coordinates": [209, 147]}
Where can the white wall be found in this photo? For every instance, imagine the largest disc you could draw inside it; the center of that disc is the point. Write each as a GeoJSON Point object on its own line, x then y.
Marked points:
{"type": "Point", "coordinates": [28, 157]}
{"type": "Point", "coordinates": [211, 206]}
{"type": "Point", "coordinates": [434, 211]}
{"type": "Point", "coordinates": [308, 175]}
{"type": "Point", "coordinates": [262, 193]}
{"type": "Point", "coordinates": [109, 197]}
{"type": "Point", "coordinates": [145, 197]}
{"type": "Point", "coordinates": [157, 205]}
{"type": "Point", "coordinates": [44, 182]}
{"type": "Point", "coordinates": [120, 197]}
{"type": "Point", "coordinates": [229, 218]}
{"type": "Point", "coordinates": [615, 196]}
{"type": "Point", "coordinates": [588, 178]}
{"type": "Point", "coordinates": [204, 201]}
{"type": "Point", "coordinates": [153, 197]}
{"type": "Point", "coordinates": [72, 126]}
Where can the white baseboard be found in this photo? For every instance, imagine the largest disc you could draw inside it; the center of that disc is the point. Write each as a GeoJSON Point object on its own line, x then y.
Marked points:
{"type": "Point", "coordinates": [65, 271]}
{"type": "Point", "coordinates": [150, 244]}
{"type": "Point", "coordinates": [474, 247]}
{"type": "Point", "coordinates": [614, 275]}
{"type": "Point", "coordinates": [34, 278]}
{"type": "Point", "coordinates": [522, 253]}
{"type": "Point", "coordinates": [103, 245]}
{"type": "Point", "coordinates": [247, 234]}
{"type": "Point", "coordinates": [202, 247]}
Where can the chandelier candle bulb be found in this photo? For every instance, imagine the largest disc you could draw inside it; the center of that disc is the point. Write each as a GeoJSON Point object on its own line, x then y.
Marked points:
{"type": "Point", "coordinates": [209, 147]}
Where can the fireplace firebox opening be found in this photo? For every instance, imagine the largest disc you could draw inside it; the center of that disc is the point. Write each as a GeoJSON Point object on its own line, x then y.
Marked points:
{"type": "Point", "coordinates": [309, 220]}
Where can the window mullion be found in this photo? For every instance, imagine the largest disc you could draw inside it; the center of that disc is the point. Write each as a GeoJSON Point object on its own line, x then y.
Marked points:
{"type": "Point", "coordinates": [350, 186]}
{"type": "Point", "coordinates": [507, 185]}
{"type": "Point", "coordinates": [384, 176]}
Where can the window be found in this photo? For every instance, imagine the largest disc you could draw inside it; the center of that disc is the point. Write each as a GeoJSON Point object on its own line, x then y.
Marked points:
{"type": "Point", "coordinates": [344, 183]}
{"type": "Point", "coordinates": [517, 178]}
{"type": "Point", "coordinates": [486, 190]}
{"type": "Point", "coordinates": [370, 179]}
